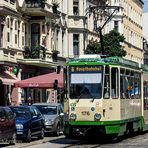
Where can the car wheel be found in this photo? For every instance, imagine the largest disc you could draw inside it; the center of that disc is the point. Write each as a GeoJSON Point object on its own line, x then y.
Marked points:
{"type": "Point", "coordinates": [42, 134]}
{"type": "Point", "coordinates": [28, 137]}
{"type": "Point", "coordinates": [13, 139]}
{"type": "Point", "coordinates": [58, 130]}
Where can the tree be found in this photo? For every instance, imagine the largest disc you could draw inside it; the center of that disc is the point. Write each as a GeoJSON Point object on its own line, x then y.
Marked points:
{"type": "Point", "coordinates": [112, 45]}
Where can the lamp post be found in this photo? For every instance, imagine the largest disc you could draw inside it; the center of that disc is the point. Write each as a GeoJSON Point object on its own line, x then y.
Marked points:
{"type": "Point", "coordinates": [99, 13]}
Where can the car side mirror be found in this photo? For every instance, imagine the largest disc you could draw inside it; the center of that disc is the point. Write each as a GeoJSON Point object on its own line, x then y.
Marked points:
{"type": "Point", "coordinates": [34, 117]}
{"type": "Point", "coordinates": [2, 119]}
{"type": "Point", "coordinates": [61, 114]}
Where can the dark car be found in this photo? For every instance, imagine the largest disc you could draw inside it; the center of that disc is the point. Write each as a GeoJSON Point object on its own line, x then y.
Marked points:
{"type": "Point", "coordinates": [29, 122]}
{"type": "Point", "coordinates": [7, 126]}
{"type": "Point", "coordinates": [54, 116]}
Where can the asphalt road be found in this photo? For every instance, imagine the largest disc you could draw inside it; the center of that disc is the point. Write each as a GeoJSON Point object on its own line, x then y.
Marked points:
{"type": "Point", "coordinates": [137, 141]}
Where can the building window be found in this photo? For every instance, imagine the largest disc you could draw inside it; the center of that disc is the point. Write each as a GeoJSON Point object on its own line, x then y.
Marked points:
{"type": "Point", "coordinates": [76, 7]}
{"type": "Point", "coordinates": [8, 36]}
{"type": "Point", "coordinates": [8, 23]}
{"type": "Point", "coordinates": [116, 25]}
{"type": "Point", "coordinates": [23, 40]}
{"type": "Point", "coordinates": [57, 39]}
{"type": "Point", "coordinates": [26, 37]}
{"type": "Point", "coordinates": [16, 25]}
{"type": "Point", "coordinates": [15, 38]}
{"type": "Point", "coordinates": [12, 1]}
{"type": "Point", "coordinates": [43, 29]}
{"type": "Point", "coordinates": [63, 35]}
{"type": "Point", "coordinates": [35, 35]}
{"type": "Point", "coordinates": [76, 44]}
{"type": "Point", "coordinates": [23, 27]}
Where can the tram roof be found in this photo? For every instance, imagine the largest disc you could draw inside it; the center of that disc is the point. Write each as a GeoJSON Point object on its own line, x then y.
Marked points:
{"type": "Point", "coordinates": [103, 61]}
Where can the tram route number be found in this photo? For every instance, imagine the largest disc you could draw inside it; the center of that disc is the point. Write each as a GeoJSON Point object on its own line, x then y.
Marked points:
{"type": "Point", "coordinates": [84, 113]}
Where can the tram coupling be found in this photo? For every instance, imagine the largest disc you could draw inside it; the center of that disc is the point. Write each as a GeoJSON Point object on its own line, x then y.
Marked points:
{"type": "Point", "coordinates": [81, 131]}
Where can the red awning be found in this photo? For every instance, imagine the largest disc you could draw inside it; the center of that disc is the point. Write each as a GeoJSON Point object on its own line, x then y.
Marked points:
{"type": "Point", "coordinates": [8, 78]}
{"type": "Point", "coordinates": [42, 81]}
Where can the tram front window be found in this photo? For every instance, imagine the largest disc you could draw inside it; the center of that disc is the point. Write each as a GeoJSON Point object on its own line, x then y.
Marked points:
{"type": "Point", "coordinates": [86, 86]}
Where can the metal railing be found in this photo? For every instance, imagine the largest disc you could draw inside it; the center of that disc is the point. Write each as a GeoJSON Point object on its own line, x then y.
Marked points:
{"type": "Point", "coordinates": [35, 3]}
{"type": "Point", "coordinates": [34, 52]}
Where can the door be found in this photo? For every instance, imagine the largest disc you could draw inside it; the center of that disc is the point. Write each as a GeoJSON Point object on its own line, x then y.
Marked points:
{"type": "Point", "coordinates": [11, 122]}
{"type": "Point", "coordinates": [36, 122]}
{"type": "Point", "coordinates": [4, 124]}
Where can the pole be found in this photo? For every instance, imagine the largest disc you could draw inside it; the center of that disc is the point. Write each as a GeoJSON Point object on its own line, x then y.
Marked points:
{"type": "Point", "coordinates": [101, 40]}
{"type": "Point", "coordinates": [95, 9]}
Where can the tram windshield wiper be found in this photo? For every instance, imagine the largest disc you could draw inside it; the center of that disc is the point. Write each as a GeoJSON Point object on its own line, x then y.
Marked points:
{"type": "Point", "coordinates": [92, 100]}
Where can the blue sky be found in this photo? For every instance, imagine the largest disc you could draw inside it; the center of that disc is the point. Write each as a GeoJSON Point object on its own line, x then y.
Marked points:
{"type": "Point", "coordinates": [145, 7]}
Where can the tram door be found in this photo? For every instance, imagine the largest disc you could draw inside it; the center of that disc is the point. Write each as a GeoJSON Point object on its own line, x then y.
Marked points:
{"type": "Point", "coordinates": [111, 93]}
{"type": "Point", "coordinates": [145, 97]}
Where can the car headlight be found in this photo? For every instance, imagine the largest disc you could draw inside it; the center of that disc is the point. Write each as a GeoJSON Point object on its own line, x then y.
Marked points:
{"type": "Point", "coordinates": [19, 126]}
{"type": "Point", "coordinates": [97, 116]}
{"type": "Point", "coordinates": [49, 121]}
{"type": "Point", "coordinates": [73, 116]}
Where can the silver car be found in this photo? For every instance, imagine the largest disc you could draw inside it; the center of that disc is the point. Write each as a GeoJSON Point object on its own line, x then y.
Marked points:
{"type": "Point", "coordinates": [54, 116]}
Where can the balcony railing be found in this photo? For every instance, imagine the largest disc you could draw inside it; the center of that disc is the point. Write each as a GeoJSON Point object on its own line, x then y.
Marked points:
{"type": "Point", "coordinates": [35, 3]}
{"type": "Point", "coordinates": [34, 52]}
{"type": "Point", "coordinates": [7, 4]}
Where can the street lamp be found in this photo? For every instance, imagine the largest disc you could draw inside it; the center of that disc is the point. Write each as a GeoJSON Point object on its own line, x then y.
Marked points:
{"type": "Point", "coordinates": [100, 12]}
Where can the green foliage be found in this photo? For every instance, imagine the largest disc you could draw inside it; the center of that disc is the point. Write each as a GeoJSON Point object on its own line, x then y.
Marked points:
{"type": "Point", "coordinates": [112, 45]}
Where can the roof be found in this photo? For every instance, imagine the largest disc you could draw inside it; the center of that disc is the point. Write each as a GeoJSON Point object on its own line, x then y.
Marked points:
{"type": "Point", "coordinates": [51, 104]}
{"type": "Point", "coordinates": [103, 61]}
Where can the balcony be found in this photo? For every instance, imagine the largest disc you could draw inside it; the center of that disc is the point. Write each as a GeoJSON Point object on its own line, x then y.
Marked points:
{"type": "Point", "coordinates": [7, 56]}
{"type": "Point", "coordinates": [34, 53]}
{"type": "Point", "coordinates": [7, 7]}
{"type": "Point", "coordinates": [35, 3]}
{"type": "Point", "coordinates": [38, 8]}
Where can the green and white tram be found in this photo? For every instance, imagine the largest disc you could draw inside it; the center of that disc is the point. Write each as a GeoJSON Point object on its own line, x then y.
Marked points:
{"type": "Point", "coordinates": [105, 95]}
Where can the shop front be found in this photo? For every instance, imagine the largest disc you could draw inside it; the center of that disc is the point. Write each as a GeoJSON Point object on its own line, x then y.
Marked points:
{"type": "Point", "coordinates": [42, 88]}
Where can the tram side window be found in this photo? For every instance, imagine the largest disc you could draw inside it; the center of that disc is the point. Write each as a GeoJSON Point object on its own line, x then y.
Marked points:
{"type": "Point", "coordinates": [129, 84]}
{"type": "Point", "coordinates": [145, 86]}
{"type": "Point", "coordinates": [122, 84]}
{"type": "Point", "coordinates": [114, 83]}
{"type": "Point", "coordinates": [106, 83]}
{"type": "Point", "coordinates": [125, 83]}
{"type": "Point", "coordinates": [136, 91]}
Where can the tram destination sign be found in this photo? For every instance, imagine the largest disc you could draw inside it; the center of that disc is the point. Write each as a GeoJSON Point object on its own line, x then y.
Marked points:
{"type": "Point", "coordinates": [85, 68]}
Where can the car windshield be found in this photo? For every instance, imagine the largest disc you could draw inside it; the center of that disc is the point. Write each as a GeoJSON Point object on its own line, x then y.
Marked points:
{"type": "Point", "coordinates": [47, 110]}
{"type": "Point", "coordinates": [21, 112]}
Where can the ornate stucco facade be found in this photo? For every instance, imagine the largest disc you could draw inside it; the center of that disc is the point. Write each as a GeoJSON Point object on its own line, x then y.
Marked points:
{"type": "Point", "coordinates": [32, 34]}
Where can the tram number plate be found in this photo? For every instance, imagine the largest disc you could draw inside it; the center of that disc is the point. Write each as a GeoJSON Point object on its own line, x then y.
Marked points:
{"type": "Point", "coordinates": [85, 113]}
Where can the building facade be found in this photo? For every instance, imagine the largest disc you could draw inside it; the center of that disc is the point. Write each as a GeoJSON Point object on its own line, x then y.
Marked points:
{"type": "Point", "coordinates": [33, 39]}
{"type": "Point", "coordinates": [128, 21]}
{"type": "Point", "coordinates": [37, 36]}
{"type": "Point", "coordinates": [145, 35]}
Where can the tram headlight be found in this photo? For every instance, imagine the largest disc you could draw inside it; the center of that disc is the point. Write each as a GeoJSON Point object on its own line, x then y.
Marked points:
{"type": "Point", "coordinates": [97, 116]}
{"type": "Point", "coordinates": [73, 116]}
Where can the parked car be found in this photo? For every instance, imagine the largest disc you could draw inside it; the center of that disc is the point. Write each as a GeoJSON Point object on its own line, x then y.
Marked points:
{"type": "Point", "coordinates": [7, 126]}
{"type": "Point", "coordinates": [29, 122]}
{"type": "Point", "coordinates": [54, 116]}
